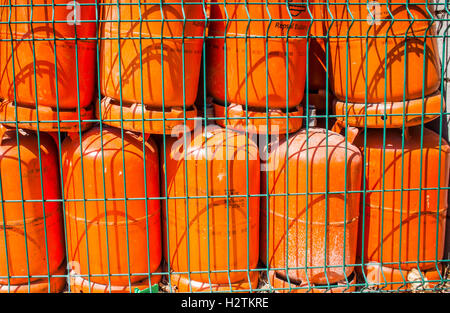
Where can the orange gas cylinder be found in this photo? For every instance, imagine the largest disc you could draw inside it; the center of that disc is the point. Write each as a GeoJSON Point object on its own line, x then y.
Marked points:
{"type": "Point", "coordinates": [388, 278]}
{"type": "Point", "coordinates": [33, 230]}
{"type": "Point", "coordinates": [249, 72]}
{"type": "Point", "coordinates": [323, 228]}
{"type": "Point", "coordinates": [113, 239]}
{"type": "Point", "coordinates": [394, 59]}
{"type": "Point", "coordinates": [155, 78]}
{"type": "Point", "coordinates": [389, 54]}
{"type": "Point", "coordinates": [212, 232]}
{"type": "Point", "coordinates": [43, 66]}
{"type": "Point", "coordinates": [406, 198]}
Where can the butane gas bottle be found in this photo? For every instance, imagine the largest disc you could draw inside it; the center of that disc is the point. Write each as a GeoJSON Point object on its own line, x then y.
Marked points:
{"type": "Point", "coordinates": [216, 230]}
{"type": "Point", "coordinates": [32, 236]}
{"type": "Point", "coordinates": [43, 66]}
{"type": "Point", "coordinates": [406, 197]}
{"type": "Point", "coordinates": [255, 71]}
{"type": "Point", "coordinates": [391, 57]}
{"type": "Point", "coordinates": [115, 236]}
{"type": "Point", "coordinates": [394, 59]}
{"type": "Point", "coordinates": [145, 74]}
{"type": "Point", "coordinates": [319, 230]}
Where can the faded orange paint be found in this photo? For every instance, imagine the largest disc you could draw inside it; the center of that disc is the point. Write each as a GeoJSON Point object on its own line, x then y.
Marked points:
{"type": "Point", "coordinates": [312, 231]}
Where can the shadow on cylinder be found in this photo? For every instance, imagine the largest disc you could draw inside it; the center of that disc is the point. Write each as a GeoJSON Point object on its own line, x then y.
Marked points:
{"type": "Point", "coordinates": [47, 67]}
{"type": "Point", "coordinates": [31, 223]}
{"type": "Point", "coordinates": [114, 243]}
{"type": "Point", "coordinates": [145, 74]}
{"type": "Point", "coordinates": [212, 232]}
{"type": "Point", "coordinates": [314, 237]}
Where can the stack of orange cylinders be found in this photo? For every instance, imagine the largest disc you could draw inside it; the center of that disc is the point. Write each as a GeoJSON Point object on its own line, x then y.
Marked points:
{"type": "Point", "coordinates": [211, 240]}
{"type": "Point", "coordinates": [47, 67]}
{"type": "Point", "coordinates": [309, 240]}
{"type": "Point", "coordinates": [31, 224]}
{"type": "Point", "coordinates": [113, 244]}
{"type": "Point", "coordinates": [146, 77]}
{"type": "Point", "coordinates": [250, 74]}
{"type": "Point", "coordinates": [392, 68]}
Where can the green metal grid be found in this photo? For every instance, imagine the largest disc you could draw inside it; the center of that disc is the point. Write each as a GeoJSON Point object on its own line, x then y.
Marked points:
{"type": "Point", "coordinates": [362, 284]}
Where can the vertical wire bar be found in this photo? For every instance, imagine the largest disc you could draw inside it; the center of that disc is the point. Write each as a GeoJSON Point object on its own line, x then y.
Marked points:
{"type": "Point", "coordinates": [421, 143]}
{"type": "Point", "coordinates": [103, 8]}
{"type": "Point", "coordinates": [61, 176]}
{"type": "Point", "coordinates": [143, 147]}
{"type": "Point", "coordinates": [226, 141]}
{"type": "Point", "coordinates": [267, 161]}
{"type": "Point", "coordinates": [247, 146]}
{"type": "Point", "coordinates": [204, 124]}
{"type": "Point", "coordinates": [123, 146]}
{"type": "Point", "coordinates": [286, 56]}
{"type": "Point", "coordinates": [307, 180]}
{"type": "Point", "coordinates": [37, 121]}
{"type": "Point", "coordinates": [165, 155]}
{"type": "Point", "coordinates": [82, 162]}
{"type": "Point", "coordinates": [186, 181]}
{"type": "Point", "coordinates": [2, 203]}
{"type": "Point", "coordinates": [442, 120]}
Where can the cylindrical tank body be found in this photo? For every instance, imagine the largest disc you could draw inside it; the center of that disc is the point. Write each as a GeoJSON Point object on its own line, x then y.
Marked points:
{"type": "Point", "coordinates": [33, 230]}
{"type": "Point", "coordinates": [393, 56]}
{"type": "Point", "coordinates": [223, 232]}
{"type": "Point", "coordinates": [44, 53]}
{"type": "Point", "coordinates": [319, 230]}
{"type": "Point", "coordinates": [257, 71]}
{"type": "Point", "coordinates": [138, 66]}
{"type": "Point", "coordinates": [405, 207]}
{"type": "Point", "coordinates": [112, 236]}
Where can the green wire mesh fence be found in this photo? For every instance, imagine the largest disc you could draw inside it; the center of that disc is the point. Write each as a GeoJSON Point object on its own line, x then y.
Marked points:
{"type": "Point", "coordinates": [208, 146]}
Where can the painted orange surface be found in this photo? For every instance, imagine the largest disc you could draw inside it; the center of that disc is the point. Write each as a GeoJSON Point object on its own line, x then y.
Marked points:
{"type": "Point", "coordinates": [32, 46]}
{"type": "Point", "coordinates": [136, 70]}
{"type": "Point", "coordinates": [313, 231]}
{"type": "Point", "coordinates": [24, 223]}
{"type": "Point", "coordinates": [102, 233]}
{"type": "Point", "coordinates": [230, 246]}
{"type": "Point", "coordinates": [405, 225]}
{"type": "Point", "coordinates": [393, 56]}
{"type": "Point", "coordinates": [257, 68]}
